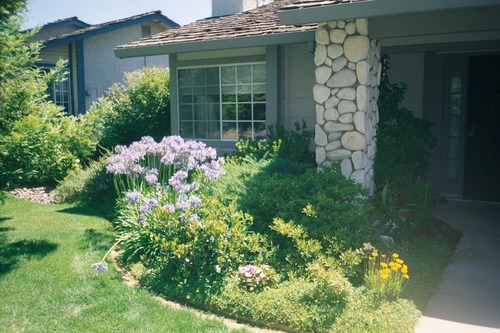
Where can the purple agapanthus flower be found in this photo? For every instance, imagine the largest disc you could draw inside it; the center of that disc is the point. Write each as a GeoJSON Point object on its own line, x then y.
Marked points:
{"type": "Point", "coordinates": [182, 203]}
{"type": "Point", "coordinates": [100, 267]}
{"type": "Point", "coordinates": [133, 197]}
{"type": "Point", "coordinates": [141, 219]}
{"type": "Point", "coordinates": [169, 208]}
{"type": "Point", "coordinates": [194, 201]}
{"type": "Point", "coordinates": [151, 176]}
{"type": "Point", "coordinates": [148, 205]}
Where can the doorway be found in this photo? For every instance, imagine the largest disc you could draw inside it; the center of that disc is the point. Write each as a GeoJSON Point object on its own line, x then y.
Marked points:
{"type": "Point", "coordinates": [482, 132]}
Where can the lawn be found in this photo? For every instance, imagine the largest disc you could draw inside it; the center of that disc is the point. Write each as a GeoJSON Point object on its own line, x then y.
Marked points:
{"type": "Point", "coordinates": [47, 285]}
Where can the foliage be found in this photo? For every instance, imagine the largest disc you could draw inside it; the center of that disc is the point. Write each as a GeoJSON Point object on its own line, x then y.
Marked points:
{"type": "Point", "coordinates": [91, 186]}
{"type": "Point", "coordinates": [403, 145]}
{"type": "Point", "coordinates": [257, 277]}
{"type": "Point", "coordinates": [301, 304]}
{"type": "Point", "coordinates": [132, 110]}
{"type": "Point", "coordinates": [336, 216]}
{"type": "Point", "coordinates": [366, 313]}
{"type": "Point", "coordinates": [386, 276]}
{"type": "Point", "coordinates": [292, 145]}
{"type": "Point", "coordinates": [43, 147]}
{"type": "Point", "coordinates": [37, 144]}
{"type": "Point", "coordinates": [164, 224]}
{"type": "Point", "coordinates": [403, 141]}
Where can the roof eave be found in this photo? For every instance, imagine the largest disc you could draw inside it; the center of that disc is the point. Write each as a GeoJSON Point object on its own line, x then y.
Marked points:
{"type": "Point", "coordinates": [372, 8]}
{"type": "Point", "coordinates": [220, 44]}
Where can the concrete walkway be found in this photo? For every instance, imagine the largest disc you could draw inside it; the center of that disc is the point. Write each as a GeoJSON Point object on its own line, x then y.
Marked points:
{"type": "Point", "coordinates": [468, 298]}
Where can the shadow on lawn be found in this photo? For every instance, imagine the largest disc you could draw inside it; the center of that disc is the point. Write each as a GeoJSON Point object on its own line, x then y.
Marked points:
{"type": "Point", "coordinates": [94, 240]}
{"type": "Point", "coordinates": [81, 210]}
{"type": "Point", "coordinates": [10, 253]}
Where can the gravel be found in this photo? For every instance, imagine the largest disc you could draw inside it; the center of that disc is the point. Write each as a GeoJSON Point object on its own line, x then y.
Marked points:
{"type": "Point", "coordinates": [42, 195]}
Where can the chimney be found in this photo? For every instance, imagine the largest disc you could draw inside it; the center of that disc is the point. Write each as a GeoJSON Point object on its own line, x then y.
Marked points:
{"type": "Point", "coordinates": [228, 7]}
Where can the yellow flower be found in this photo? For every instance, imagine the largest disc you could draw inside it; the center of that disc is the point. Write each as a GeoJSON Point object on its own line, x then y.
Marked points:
{"type": "Point", "coordinates": [392, 264]}
{"type": "Point", "coordinates": [384, 276]}
{"type": "Point", "coordinates": [383, 256]}
{"type": "Point", "coordinates": [406, 276]}
{"type": "Point", "coordinates": [395, 255]}
{"type": "Point", "coordinates": [404, 269]}
{"type": "Point", "coordinates": [399, 261]}
{"type": "Point", "coordinates": [383, 265]}
{"type": "Point", "coordinates": [374, 254]}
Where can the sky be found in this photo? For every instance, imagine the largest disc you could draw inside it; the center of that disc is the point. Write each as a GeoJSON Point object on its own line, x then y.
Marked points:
{"type": "Point", "coordinates": [182, 12]}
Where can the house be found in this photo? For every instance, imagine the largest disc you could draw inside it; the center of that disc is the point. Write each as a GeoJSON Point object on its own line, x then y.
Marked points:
{"type": "Point", "coordinates": [320, 60]}
{"type": "Point", "coordinates": [91, 65]}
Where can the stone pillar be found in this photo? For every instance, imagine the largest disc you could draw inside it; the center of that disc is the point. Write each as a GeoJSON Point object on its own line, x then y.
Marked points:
{"type": "Point", "coordinates": [348, 72]}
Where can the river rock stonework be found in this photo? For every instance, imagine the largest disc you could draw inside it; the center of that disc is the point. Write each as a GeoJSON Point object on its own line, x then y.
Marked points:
{"type": "Point", "coordinates": [348, 74]}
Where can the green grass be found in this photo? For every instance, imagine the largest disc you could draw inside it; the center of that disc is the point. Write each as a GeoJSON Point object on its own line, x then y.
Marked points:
{"type": "Point", "coordinates": [47, 285]}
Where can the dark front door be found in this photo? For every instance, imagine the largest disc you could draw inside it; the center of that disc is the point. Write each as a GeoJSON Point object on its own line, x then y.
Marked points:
{"type": "Point", "coordinates": [482, 136]}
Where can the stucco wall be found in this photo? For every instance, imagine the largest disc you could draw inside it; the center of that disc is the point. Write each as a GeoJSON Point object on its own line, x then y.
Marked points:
{"type": "Point", "coordinates": [297, 78]}
{"type": "Point", "coordinates": [102, 68]}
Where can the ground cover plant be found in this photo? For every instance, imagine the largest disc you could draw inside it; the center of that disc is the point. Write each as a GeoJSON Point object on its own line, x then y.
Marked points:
{"type": "Point", "coordinates": [47, 285]}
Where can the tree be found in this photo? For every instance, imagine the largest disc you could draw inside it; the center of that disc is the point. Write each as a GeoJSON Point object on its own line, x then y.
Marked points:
{"type": "Point", "coordinates": [38, 144]}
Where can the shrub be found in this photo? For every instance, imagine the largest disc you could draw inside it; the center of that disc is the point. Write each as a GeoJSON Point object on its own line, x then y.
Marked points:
{"type": "Point", "coordinates": [92, 185]}
{"type": "Point", "coordinates": [367, 314]}
{"type": "Point", "coordinates": [291, 145]}
{"type": "Point", "coordinates": [43, 147]}
{"type": "Point", "coordinates": [304, 305]}
{"type": "Point", "coordinates": [165, 224]}
{"type": "Point", "coordinates": [403, 146]}
{"type": "Point", "coordinates": [322, 210]}
{"type": "Point", "coordinates": [132, 110]}
{"type": "Point", "coordinates": [37, 144]}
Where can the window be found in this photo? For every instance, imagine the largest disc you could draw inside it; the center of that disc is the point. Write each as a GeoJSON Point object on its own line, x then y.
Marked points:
{"type": "Point", "coordinates": [226, 102]}
{"type": "Point", "coordinates": [60, 90]}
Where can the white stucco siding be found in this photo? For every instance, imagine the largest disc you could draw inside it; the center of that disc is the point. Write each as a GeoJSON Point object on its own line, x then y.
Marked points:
{"type": "Point", "coordinates": [297, 81]}
{"type": "Point", "coordinates": [102, 68]}
{"type": "Point", "coordinates": [408, 68]}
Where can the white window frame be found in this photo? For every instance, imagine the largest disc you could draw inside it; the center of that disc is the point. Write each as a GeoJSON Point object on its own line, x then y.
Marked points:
{"type": "Point", "coordinates": [221, 103]}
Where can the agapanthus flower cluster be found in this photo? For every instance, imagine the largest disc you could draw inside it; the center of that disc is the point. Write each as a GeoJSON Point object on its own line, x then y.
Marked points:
{"type": "Point", "coordinates": [164, 175]}
{"type": "Point", "coordinates": [152, 162]}
{"type": "Point", "coordinates": [100, 267]}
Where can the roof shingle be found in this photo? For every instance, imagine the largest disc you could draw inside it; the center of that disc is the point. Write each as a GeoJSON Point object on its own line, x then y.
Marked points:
{"type": "Point", "coordinates": [256, 22]}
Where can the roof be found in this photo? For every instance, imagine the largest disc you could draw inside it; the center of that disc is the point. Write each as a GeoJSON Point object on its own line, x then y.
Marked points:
{"type": "Point", "coordinates": [308, 11]}
{"type": "Point", "coordinates": [64, 22]}
{"type": "Point", "coordinates": [61, 23]}
{"type": "Point", "coordinates": [96, 29]}
{"type": "Point", "coordinates": [256, 27]}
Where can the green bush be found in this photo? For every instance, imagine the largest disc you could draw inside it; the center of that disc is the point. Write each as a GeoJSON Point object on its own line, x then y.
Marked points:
{"type": "Point", "coordinates": [301, 304]}
{"type": "Point", "coordinates": [322, 209]}
{"type": "Point", "coordinates": [403, 141]}
{"type": "Point", "coordinates": [366, 313]}
{"type": "Point", "coordinates": [194, 253]}
{"type": "Point", "coordinates": [42, 148]}
{"type": "Point", "coordinates": [403, 146]}
{"type": "Point", "coordinates": [140, 107]}
{"type": "Point", "coordinates": [291, 145]}
{"type": "Point", "coordinates": [92, 185]}
{"type": "Point", "coordinates": [37, 144]}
